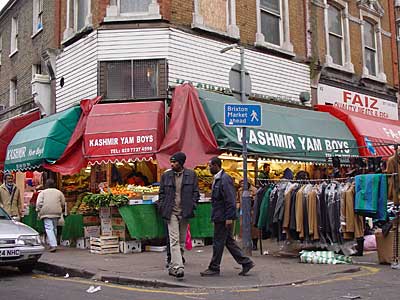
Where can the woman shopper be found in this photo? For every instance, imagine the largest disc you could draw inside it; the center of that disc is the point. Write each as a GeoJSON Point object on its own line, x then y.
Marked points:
{"type": "Point", "coordinates": [50, 206]}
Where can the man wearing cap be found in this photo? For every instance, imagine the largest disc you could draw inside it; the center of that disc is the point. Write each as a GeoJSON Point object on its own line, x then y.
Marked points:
{"type": "Point", "coordinates": [179, 193]}
{"type": "Point", "coordinates": [10, 197]}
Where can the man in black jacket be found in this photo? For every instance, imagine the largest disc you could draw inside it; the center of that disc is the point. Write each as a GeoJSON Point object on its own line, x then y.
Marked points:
{"type": "Point", "coordinates": [179, 193]}
{"type": "Point", "coordinates": [223, 215]}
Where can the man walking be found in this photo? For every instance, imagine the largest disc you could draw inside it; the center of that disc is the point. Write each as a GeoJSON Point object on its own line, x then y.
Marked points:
{"type": "Point", "coordinates": [10, 197]}
{"type": "Point", "coordinates": [223, 214]}
{"type": "Point", "coordinates": [50, 206]}
{"type": "Point", "coordinates": [179, 193]}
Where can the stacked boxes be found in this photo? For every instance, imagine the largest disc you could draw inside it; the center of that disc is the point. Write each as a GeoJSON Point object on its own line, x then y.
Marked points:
{"type": "Point", "coordinates": [112, 223]}
{"type": "Point", "coordinates": [104, 245]}
{"type": "Point", "coordinates": [91, 226]}
{"type": "Point", "coordinates": [130, 246]}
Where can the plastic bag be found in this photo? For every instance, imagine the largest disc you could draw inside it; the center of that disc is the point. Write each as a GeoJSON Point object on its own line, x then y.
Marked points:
{"type": "Point", "coordinates": [369, 243]}
{"type": "Point", "coordinates": [188, 242]}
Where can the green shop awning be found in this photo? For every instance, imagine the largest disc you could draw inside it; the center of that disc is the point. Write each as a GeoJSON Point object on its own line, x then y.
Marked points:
{"type": "Point", "coordinates": [41, 141]}
{"type": "Point", "coordinates": [286, 133]}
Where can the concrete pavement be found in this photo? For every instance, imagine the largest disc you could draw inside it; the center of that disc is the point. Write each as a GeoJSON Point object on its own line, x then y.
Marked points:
{"type": "Point", "coordinates": [148, 268]}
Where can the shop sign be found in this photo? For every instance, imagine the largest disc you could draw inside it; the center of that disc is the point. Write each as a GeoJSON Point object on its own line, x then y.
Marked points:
{"type": "Point", "coordinates": [25, 154]}
{"type": "Point", "coordinates": [116, 144]}
{"type": "Point", "coordinates": [357, 102]}
{"type": "Point", "coordinates": [278, 143]}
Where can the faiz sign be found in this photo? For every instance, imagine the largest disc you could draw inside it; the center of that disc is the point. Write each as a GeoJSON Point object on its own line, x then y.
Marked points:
{"type": "Point", "coordinates": [357, 102]}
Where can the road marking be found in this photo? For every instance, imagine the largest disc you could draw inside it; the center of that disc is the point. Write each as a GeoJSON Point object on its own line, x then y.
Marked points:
{"type": "Point", "coordinates": [121, 287]}
{"type": "Point", "coordinates": [365, 271]}
{"type": "Point", "coordinates": [246, 291]}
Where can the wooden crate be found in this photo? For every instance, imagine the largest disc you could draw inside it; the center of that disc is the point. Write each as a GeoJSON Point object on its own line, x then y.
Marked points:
{"type": "Point", "coordinates": [104, 241]}
{"type": "Point", "coordinates": [101, 250]}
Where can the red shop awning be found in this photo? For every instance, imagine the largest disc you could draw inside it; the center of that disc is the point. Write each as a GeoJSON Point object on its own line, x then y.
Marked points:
{"type": "Point", "coordinates": [10, 127]}
{"type": "Point", "coordinates": [373, 135]}
{"type": "Point", "coordinates": [124, 131]}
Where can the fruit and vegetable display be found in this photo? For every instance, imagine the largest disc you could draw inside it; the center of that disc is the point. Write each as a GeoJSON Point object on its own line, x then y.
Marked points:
{"type": "Point", "coordinates": [75, 184]}
{"type": "Point", "coordinates": [134, 191]}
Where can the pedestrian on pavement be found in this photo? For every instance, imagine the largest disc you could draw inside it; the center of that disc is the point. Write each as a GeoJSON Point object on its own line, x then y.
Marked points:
{"type": "Point", "coordinates": [223, 215]}
{"type": "Point", "coordinates": [178, 196]}
{"type": "Point", "coordinates": [10, 197]}
{"type": "Point", "coordinates": [50, 206]}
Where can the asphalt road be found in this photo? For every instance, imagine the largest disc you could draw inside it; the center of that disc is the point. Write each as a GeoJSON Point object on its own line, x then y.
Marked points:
{"type": "Point", "coordinates": [371, 283]}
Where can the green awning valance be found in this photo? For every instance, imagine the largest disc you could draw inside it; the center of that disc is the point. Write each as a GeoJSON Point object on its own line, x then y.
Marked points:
{"type": "Point", "coordinates": [286, 133]}
{"type": "Point", "coordinates": [41, 141]}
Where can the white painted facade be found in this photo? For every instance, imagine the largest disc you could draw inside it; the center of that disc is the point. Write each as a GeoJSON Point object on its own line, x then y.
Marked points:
{"type": "Point", "coordinates": [190, 58]}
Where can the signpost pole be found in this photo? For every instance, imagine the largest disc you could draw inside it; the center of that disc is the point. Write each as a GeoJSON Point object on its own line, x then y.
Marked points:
{"type": "Point", "coordinates": [246, 201]}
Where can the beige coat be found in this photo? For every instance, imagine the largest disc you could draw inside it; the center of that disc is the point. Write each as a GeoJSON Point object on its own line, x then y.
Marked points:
{"type": "Point", "coordinates": [13, 207]}
{"type": "Point", "coordinates": [50, 203]}
{"type": "Point", "coordinates": [390, 169]}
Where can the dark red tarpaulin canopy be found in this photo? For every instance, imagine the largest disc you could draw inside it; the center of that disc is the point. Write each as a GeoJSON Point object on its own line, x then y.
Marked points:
{"type": "Point", "coordinates": [379, 132]}
{"type": "Point", "coordinates": [189, 130]}
{"type": "Point", "coordinates": [124, 131]}
{"type": "Point", "coordinates": [73, 160]}
{"type": "Point", "coordinates": [10, 127]}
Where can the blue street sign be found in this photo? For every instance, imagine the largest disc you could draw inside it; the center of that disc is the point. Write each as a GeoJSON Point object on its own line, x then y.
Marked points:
{"type": "Point", "coordinates": [242, 115]}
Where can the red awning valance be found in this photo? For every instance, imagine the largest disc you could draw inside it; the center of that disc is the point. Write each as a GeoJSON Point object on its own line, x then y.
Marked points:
{"type": "Point", "coordinates": [10, 127]}
{"type": "Point", "coordinates": [378, 133]}
{"type": "Point", "coordinates": [124, 131]}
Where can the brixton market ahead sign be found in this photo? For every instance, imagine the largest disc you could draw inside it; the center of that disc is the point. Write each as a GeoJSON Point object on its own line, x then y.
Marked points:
{"type": "Point", "coordinates": [242, 115]}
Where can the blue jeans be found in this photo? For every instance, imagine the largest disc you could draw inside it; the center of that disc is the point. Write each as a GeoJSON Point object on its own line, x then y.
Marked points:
{"type": "Point", "coordinates": [50, 225]}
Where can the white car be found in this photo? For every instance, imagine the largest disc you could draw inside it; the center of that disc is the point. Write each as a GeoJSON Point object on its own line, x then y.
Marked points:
{"type": "Point", "coordinates": [20, 245]}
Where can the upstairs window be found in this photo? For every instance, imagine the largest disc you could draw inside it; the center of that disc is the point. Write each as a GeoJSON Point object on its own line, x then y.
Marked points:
{"type": "Point", "coordinates": [81, 13]}
{"type": "Point", "coordinates": [271, 21]}
{"type": "Point", "coordinates": [13, 92]}
{"type": "Point", "coordinates": [14, 35]}
{"type": "Point", "coordinates": [370, 47]}
{"type": "Point", "coordinates": [37, 16]}
{"type": "Point", "coordinates": [132, 10]}
{"type": "Point", "coordinates": [133, 6]}
{"type": "Point", "coordinates": [337, 35]}
{"type": "Point", "coordinates": [133, 79]}
{"type": "Point", "coordinates": [1, 47]}
{"type": "Point", "coordinates": [273, 30]}
{"type": "Point", "coordinates": [217, 16]}
{"type": "Point", "coordinates": [335, 29]}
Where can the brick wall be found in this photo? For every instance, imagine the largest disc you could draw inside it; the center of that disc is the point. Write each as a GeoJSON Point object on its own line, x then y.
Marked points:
{"type": "Point", "coordinates": [182, 12]}
{"type": "Point", "coordinates": [246, 18]}
{"type": "Point", "coordinates": [19, 66]}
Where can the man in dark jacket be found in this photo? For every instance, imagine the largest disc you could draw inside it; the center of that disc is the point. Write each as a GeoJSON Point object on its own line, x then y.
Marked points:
{"type": "Point", "coordinates": [223, 214]}
{"type": "Point", "coordinates": [179, 193]}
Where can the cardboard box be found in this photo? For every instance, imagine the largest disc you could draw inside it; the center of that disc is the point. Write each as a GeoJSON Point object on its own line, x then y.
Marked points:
{"type": "Point", "coordinates": [83, 243]}
{"type": "Point", "coordinates": [197, 243]}
{"type": "Point", "coordinates": [135, 202]}
{"type": "Point", "coordinates": [106, 226]}
{"type": "Point", "coordinates": [115, 212]}
{"type": "Point", "coordinates": [91, 220]}
{"type": "Point", "coordinates": [130, 246]}
{"type": "Point", "coordinates": [122, 233]}
{"type": "Point", "coordinates": [385, 247]}
{"type": "Point", "coordinates": [117, 221]}
{"type": "Point", "coordinates": [156, 248]}
{"type": "Point", "coordinates": [105, 212]}
{"type": "Point", "coordinates": [91, 231]}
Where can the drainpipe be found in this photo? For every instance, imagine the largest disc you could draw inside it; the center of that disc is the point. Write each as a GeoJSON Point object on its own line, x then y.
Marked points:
{"type": "Point", "coordinates": [393, 40]}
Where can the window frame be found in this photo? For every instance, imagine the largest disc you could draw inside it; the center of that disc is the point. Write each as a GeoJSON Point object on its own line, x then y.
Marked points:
{"type": "Point", "coordinates": [373, 18]}
{"type": "Point", "coordinates": [113, 12]}
{"type": "Point", "coordinates": [232, 30]}
{"type": "Point", "coordinates": [13, 92]}
{"type": "Point", "coordinates": [76, 13]}
{"type": "Point", "coordinates": [37, 17]}
{"type": "Point", "coordinates": [1, 47]}
{"type": "Point", "coordinates": [285, 46]}
{"type": "Point", "coordinates": [160, 70]}
{"type": "Point", "coordinates": [334, 34]}
{"type": "Point", "coordinates": [347, 65]}
{"type": "Point", "coordinates": [270, 12]}
{"type": "Point", "coordinates": [14, 36]}
{"type": "Point", "coordinates": [366, 47]}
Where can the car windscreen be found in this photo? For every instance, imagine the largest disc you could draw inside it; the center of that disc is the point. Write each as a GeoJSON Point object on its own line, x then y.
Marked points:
{"type": "Point", "coordinates": [4, 215]}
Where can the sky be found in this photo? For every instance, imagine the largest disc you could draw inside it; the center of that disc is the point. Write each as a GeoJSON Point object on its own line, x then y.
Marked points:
{"type": "Point", "coordinates": [2, 3]}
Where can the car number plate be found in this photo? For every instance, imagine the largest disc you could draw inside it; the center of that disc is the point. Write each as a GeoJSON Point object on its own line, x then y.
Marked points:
{"type": "Point", "coordinates": [9, 252]}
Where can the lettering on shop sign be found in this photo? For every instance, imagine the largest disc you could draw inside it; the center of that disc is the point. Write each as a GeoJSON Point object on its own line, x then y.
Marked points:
{"type": "Point", "coordinates": [392, 134]}
{"type": "Point", "coordinates": [264, 138]}
{"type": "Point", "coordinates": [125, 140]}
{"type": "Point", "coordinates": [16, 153]}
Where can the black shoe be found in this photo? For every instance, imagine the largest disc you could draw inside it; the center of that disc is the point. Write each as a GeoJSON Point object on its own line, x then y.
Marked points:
{"type": "Point", "coordinates": [179, 273]}
{"type": "Point", "coordinates": [209, 272]}
{"type": "Point", "coordinates": [246, 268]}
